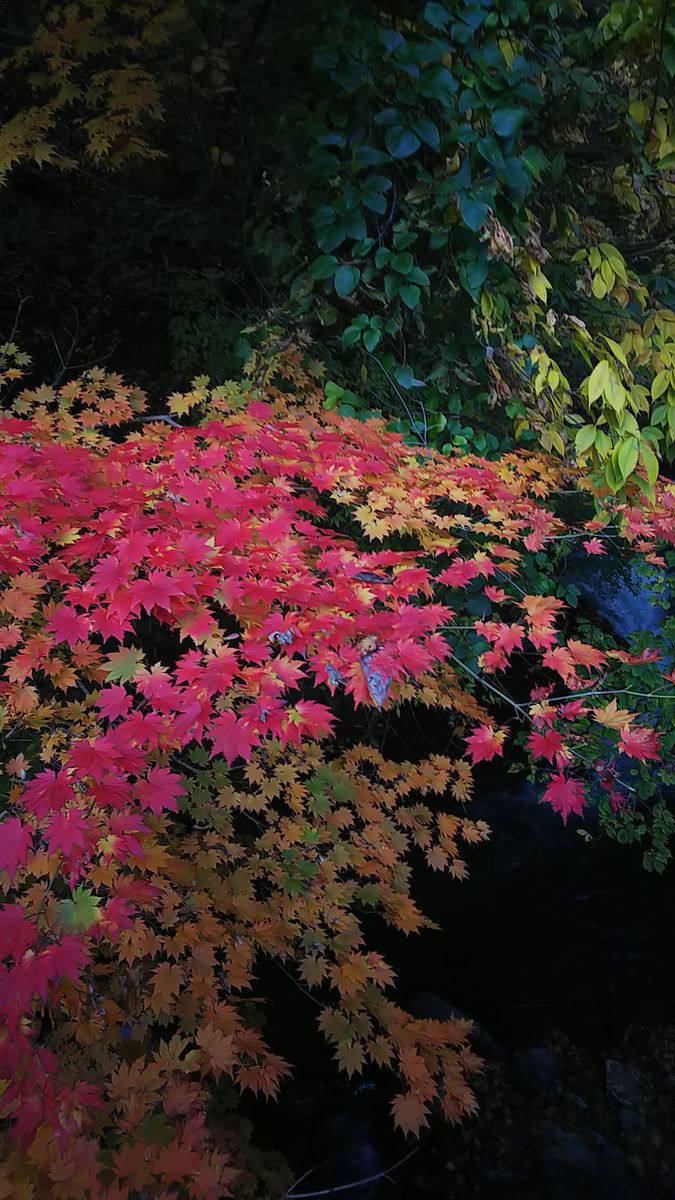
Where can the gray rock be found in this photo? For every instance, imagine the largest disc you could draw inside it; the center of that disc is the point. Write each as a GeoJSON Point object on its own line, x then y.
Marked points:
{"type": "Point", "coordinates": [534, 1071]}
{"type": "Point", "coordinates": [630, 600]}
{"type": "Point", "coordinates": [579, 1166]}
{"type": "Point", "coordinates": [627, 1091]}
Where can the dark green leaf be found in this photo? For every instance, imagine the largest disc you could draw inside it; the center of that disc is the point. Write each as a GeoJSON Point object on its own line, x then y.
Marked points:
{"type": "Point", "coordinates": [401, 142]}
{"type": "Point", "coordinates": [473, 212]}
{"type": "Point", "coordinates": [323, 267]}
{"type": "Point", "coordinates": [428, 132]}
{"type": "Point", "coordinates": [507, 121]}
{"type": "Point", "coordinates": [402, 262]}
{"type": "Point", "coordinates": [436, 16]}
{"type": "Point", "coordinates": [410, 295]}
{"type": "Point", "coordinates": [346, 279]}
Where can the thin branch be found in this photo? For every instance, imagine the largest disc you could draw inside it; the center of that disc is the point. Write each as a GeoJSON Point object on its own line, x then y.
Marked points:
{"type": "Point", "coordinates": [348, 1187]}
{"type": "Point", "coordinates": [521, 709]}
{"type": "Point", "coordinates": [168, 420]}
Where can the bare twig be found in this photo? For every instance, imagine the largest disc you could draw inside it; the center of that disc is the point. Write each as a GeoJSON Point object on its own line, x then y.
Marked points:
{"type": "Point", "coordinates": [347, 1187]}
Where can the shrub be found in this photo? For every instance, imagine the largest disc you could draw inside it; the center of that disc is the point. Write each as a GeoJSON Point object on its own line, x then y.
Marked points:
{"type": "Point", "coordinates": [192, 618]}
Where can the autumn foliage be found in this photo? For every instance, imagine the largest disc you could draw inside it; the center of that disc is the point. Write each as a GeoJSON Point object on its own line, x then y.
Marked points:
{"type": "Point", "coordinates": [192, 618]}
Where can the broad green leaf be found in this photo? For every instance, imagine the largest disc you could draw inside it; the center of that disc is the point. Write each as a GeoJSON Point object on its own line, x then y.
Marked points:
{"type": "Point", "coordinates": [436, 83]}
{"type": "Point", "coordinates": [660, 384]}
{"type": "Point", "coordinates": [428, 131]}
{"type": "Point", "coordinates": [507, 121]}
{"type": "Point", "coordinates": [436, 15]}
{"type": "Point", "coordinates": [584, 439]}
{"type": "Point", "coordinates": [416, 275]}
{"type": "Point", "coordinates": [402, 263]}
{"type": "Point", "coordinates": [410, 295]}
{"type": "Point", "coordinates": [401, 142]}
{"type": "Point", "coordinates": [473, 212]}
{"type": "Point", "coordinates": [650, 462]}
{"type": "Point", "coordinates": [598, 287]}
{"type": "Point", "coordinates": [597, 380]}
{"type": "Point", "coordinates": [346, 279]}
{"type": "Point", "coordinates": [603, 443]}
{"type": "Point", "coordinates": [627, 456]}
{"type": "Point", "coordinates": [616, 349]}
{"type": "Point", "coordinates": [323, 267]}
{"type": "Point", "coordinates": [615, 393]}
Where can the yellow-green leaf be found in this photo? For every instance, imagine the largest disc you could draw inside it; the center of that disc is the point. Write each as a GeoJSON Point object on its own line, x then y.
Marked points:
{"type": "Point", "coordinates": [650, 462]}
{"type": "Point", "coordinates": [597, 380]}
{"type": "Point", "coordinates": [627, 456]}
{"type": "Point", "coordinates": [660, 384]}
{"type": "Point", "coordinates": [584, 439]}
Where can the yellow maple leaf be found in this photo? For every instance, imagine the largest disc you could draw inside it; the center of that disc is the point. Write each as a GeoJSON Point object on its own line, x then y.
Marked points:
{"type": "Point", "coordinates": [612, 716]}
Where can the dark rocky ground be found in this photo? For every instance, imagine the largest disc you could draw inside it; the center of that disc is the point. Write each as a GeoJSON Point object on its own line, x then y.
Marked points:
{"type": "Point", "coordinates": [563, 954]}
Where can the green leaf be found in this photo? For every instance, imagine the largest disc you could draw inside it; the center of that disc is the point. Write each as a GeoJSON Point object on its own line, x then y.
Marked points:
{"type": "Point", "coordinates": [351, 335]}
{"type": "Point", "coordinates": [507, 121]}
{"type": "Point", "coordinates": [403, 263]}
{"type": "Point", "coordinates": [78, 914]}
{"type": "Point", "coordinates": [489, 149]}
{"type": "Point", "coordinates": [436, 83]}
{"type": "Point", "coordinates": [323, 267]}
{"type": "Point", "coordinates": [123, 665]}
{"type": "Point", "coordinates": [388, 116]}
{"type": "Point", "coordinates": [473, 212]}
{"type": "Point", "coordinates": [401, 142]}
{"type": "Point", "coordinates": [627, 456]}
{"type": "Point", "coordinates": [535, 161]}
{"type": "Point", "coordinates": [660, 384]}
{"type": "Point", "coordinates": [355, 226]}
{"type": "Point", "coordinates": [650, 462]}
{"type": "Point", "coordinates": [371, 339]}
{"type": "Point", "coordinates": [330, 238]}
{"type": "Point", "coordinates": [404, 377]}
{"type": "Point", "coordinates": [436, 16]}
{"type": "Point", "coordinates": [410, 295]}
{"type": "Point", "coordinates": [584, 439]}
{"type": "Point", "coordinates": [597, 380]}
{"type": "Point", "coordinates": [615, 393]}
{"type": "Point", "coordinates": [428, 131]}
{"type": "Point", "coordinates": [346, 279]}
{"type": "Point", "coordinates": [473, 273]}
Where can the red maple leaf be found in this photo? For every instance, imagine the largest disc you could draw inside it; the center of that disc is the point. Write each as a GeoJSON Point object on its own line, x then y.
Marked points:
{"type": "Point", "coordinates": [229, 738]}
{"type": "Point", "coordinates": [156, 591]}
{"type": "Point", "coordinates": [485, 742]}
{"type": "Point", "coordinates": [160, 790]}
{"type": "Point", "coordinates": [68, 625]}
{"type": "Point", "coordinates": [66, 831]}
{"type": "Point", "coordinates": [47, 792]}
{"type": "Point", "coordinates": [564, 795]}
{"type": "Point", "coordinates": [113, 702]}
{"type": "Point", "coordinates": [639, 742]}
{"type": "Point", "coordinates": [594, 546]}
{"type": "Point", "coordinates": [545, 745]}
{"type": "Point", "coordinates": [17, 933]}
{"type": "Point", "coordinates": [496, 594]}
{"type": "Point", "coordinates": [15, 840]}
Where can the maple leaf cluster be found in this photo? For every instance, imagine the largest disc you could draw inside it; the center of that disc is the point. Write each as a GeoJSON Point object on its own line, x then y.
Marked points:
{"type": "Point", "coordinates": [178, 613]}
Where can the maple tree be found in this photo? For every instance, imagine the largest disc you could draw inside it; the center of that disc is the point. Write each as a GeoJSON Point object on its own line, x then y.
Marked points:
{"type": "Point", "coordinates": [186, 609]}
